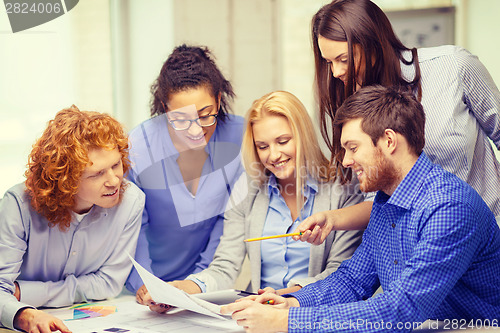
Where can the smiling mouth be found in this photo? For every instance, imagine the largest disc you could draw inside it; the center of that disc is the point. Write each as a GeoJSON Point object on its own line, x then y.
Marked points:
{"type": "Point", "coordinates": [196, 138]}
{"type": "Point", "coordinates": [280, 164]}
{"type": "Point", "coordinates": [111, 194]}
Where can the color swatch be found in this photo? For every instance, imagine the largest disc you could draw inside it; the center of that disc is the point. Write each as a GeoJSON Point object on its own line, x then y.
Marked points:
{"type": "Point", "coordinates": [84, 311]}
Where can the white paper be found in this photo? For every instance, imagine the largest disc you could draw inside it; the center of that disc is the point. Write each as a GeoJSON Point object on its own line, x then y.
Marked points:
{"type": "Point", "coordinates": [162, 292]}
{"type": "Point", "coordinates": [135, 318]}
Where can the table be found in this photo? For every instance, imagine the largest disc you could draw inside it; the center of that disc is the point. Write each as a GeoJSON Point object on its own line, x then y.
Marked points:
{"type": "Point", "coordinates": [134, 318]}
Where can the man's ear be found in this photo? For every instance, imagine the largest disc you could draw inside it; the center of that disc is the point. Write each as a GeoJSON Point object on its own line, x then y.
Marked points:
{"type": "Point", "coordinates": [390, 141]}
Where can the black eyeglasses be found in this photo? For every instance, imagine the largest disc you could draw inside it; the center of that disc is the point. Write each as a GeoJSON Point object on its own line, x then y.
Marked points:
{"type": "Point", "coordinates": [184, 124]}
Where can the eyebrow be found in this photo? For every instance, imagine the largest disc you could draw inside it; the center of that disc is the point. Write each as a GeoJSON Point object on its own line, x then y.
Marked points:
{"type": "Point", "coordinates": [98, 171]}
{"type": "Point", "coordinates": [337, 57]}
{"type": "Point", "coordinates": [346, 143]}
{"type": "Point", "coordinates": [282, 136]}
{"type": "Point", "coordinates": [341, 55]}
{"type": "Point", "coordinates": [205, 107]}
{"type": "Point", "coordinates": [198, 111]}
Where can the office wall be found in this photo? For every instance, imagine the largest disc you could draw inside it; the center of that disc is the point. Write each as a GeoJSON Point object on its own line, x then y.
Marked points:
{"type": "Point", "coordinates": [482, 31]}
{"type": "Point", "coordinates": [142, 35]}
{"type": "Point", "coordinates": [481, 34]}
{"type": "Point", "coordinates": [104, 54]}
{"type": "Point", "coordinates": [244, 37]}
{"type": "Point", "coordinates": [45, 69]}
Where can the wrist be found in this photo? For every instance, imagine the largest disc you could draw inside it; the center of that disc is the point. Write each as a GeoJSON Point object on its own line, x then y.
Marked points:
{"type": "Point", "coordinates": [282, 320]}
{"type": "Point", "coordinates": [335, 218]}
{"type": "Point", "coordinates": [17, 292]}
{"type": "Point", "coordinates": [22, 318]}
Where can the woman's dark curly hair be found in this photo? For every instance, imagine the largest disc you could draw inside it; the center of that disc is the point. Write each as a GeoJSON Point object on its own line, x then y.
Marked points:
{"type": "Point", "coordinates": [186, 68]}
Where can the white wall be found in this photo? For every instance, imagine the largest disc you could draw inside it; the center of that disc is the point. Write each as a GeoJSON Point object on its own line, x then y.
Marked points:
{"type": "Point", "coordinates": [104, 54]}
{"type": "Point", "coordinates": [45, 69]}
{"type": "Point", "coordinates": [244, 37]}
{"type": "Point", "coordinates": [482, 36]}
{"type": "Point", "coordinates": [482, 33]}
{"type": "Point", "coordinates": [142, 34]}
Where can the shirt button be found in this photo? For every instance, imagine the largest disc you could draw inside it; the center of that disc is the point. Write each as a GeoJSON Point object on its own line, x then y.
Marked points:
{"type": "Point", "coordinates": [396, 262]}
{"type": "Point", "coordinates": [73, 253]}
{"type": "Point", "coordinates": [393, 225]}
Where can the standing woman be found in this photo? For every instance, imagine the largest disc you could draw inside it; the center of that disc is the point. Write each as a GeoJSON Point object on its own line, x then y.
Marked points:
{"type": "Point", "coordinates": [186, 160]}
{"type": "Point", "coordinates": [355, 46]}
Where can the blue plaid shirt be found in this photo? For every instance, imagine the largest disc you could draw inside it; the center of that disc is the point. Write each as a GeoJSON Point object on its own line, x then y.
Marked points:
{"type": "Point", "coordinates": [433, 246]}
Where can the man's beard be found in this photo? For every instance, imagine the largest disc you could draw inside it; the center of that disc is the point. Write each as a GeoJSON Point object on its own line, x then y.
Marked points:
{"type": "Point", "coordinates": [381, 176]}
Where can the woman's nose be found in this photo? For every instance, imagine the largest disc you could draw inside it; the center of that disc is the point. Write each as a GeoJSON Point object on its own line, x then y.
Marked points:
{"type": "Point", "coordinates": [337, 70]}
{"type": "Point", "coordinates": [275, 154]}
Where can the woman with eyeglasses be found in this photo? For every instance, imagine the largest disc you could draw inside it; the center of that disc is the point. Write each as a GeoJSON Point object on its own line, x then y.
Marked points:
{"type": "Point", "coordinates": [287, 178]}
{"type": "Point", "coordinates": [186, 160]}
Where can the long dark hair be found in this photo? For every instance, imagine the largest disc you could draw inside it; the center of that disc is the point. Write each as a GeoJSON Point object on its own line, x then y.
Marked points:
{"type": "Point", "coordinates": [357, 22]}
{"type": "Point", "coordinates": [190, 67]}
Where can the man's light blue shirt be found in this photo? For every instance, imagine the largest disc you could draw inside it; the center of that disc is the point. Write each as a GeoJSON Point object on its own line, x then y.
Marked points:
{"type": "Point", "coordinates": [54, 268]}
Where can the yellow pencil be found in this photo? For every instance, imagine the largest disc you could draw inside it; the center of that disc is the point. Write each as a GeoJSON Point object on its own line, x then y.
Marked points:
{"type": "Point", "coordinates": [270, 237]}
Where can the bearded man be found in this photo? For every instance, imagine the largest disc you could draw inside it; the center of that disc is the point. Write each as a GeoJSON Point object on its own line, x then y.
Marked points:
{"type": "Point", "coordinates": [432, 243]}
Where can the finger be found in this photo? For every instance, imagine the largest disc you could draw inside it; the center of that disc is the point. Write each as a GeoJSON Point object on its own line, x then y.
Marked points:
{"type": "Point", "coordinates": [239, 315]}
{"type": "Point", "coordinates": [247, 298]}
{"type": "Point", "coordinates": [59, 325]}
{"type": "Point", "coordinates": [268, 290]}
{"type": "Point", "coordinates": [236, 306]}
{"type": "Point", "coordinates": [315, 237]}
{"type": "Point", "coordinates": [241, 322]}
{"type": "Point", "coordinates": [306, 224]}
{"type": "Point", "coordinates": [264, 298]}
{"type": "Point", "coordinates": [159, 308]}
{"type": "Point", "coordinates": [42, 328]}
{"type": "Point", "coordinates": [305, 236]}
{"type": "Point", "coordinates": [146, 299]}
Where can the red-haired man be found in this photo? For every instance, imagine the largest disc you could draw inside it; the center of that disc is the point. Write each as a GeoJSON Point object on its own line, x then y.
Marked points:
{"type": "Point", "coordinates": [66, 231]}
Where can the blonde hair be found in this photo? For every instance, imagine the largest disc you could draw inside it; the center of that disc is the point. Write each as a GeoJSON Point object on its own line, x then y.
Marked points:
{"type": "Point", "coordinates": [310, 162]}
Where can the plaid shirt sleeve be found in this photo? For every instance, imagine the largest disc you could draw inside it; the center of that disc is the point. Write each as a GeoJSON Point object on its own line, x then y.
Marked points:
{"type": "Point", "coordinates": [439, 258]}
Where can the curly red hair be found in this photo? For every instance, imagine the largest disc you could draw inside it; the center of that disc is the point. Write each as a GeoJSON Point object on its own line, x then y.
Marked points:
{"type": "Point", "coordinates": [59, 157]}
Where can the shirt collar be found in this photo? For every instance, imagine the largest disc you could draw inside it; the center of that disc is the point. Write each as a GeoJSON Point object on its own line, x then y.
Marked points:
{"type": "Point", "coordinates": [407, 190]}
{"type": "Point", "coordinates": [310, 188]}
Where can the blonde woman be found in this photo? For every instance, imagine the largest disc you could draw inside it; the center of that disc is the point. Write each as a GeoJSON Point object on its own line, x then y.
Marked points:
{"type": "Point", "coordinates": [287, 179]}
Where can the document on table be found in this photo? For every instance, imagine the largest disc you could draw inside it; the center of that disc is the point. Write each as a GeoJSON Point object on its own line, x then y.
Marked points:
{"type": "Point", "coordinates": [132, 317]}
{"type": "Point", "coordinates": [162, 292]}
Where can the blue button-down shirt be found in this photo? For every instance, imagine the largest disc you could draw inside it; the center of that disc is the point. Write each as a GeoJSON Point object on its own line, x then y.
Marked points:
{"type": "Point", "coordinates": [181, 231]}
{"type": "Point", "coordinates": [284, 258]}
{"type": "Point", "coordinates": [433, 246]}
